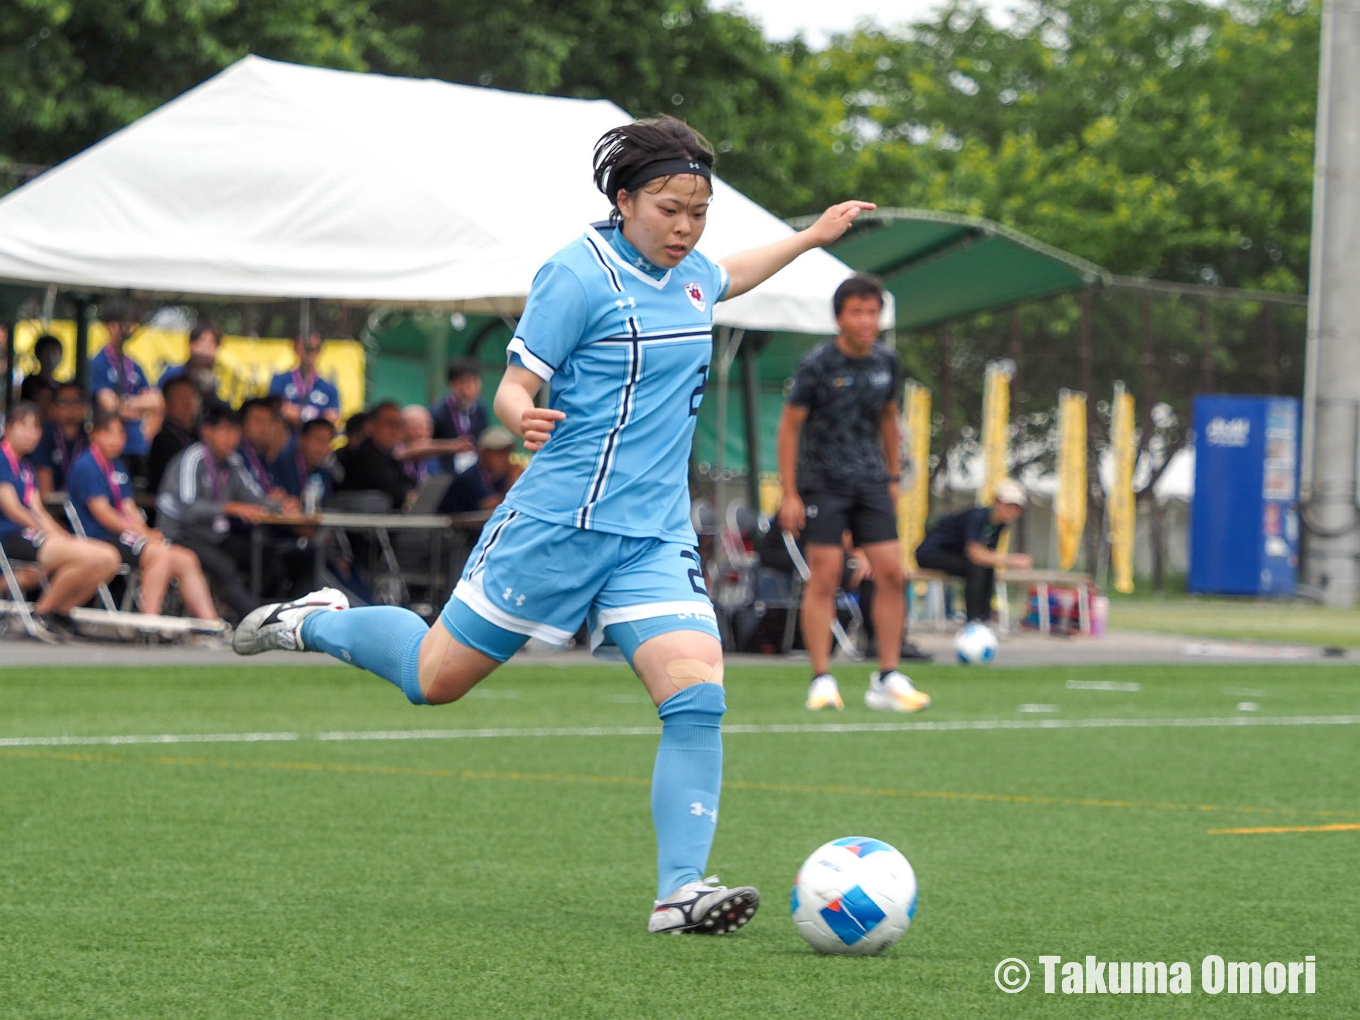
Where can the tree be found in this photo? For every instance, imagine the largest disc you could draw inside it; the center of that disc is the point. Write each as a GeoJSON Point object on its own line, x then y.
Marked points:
{"type": "Point", "coordinates": [711, 68]}
{"type": "Point", "coordinates": [72, 73]}
{"type": "Point", "coordinates": [1166, 138]}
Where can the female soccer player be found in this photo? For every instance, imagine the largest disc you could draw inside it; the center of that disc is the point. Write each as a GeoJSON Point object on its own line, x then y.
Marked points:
{"type": "Point", "coordinates": [620, 321]}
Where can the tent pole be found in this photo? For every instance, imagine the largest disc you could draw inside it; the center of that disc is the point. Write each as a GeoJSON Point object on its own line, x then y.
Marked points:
{"type": "Point", "coordinates": [728, 343]}
{"type": "Point", "coordinates": [749, 369]}
{"type": "Point", "coordinates": [305, 318]}
{"type": "Point", "coordinates": [82, 315]}
{"type": "Point", "coordinates": [437, 359]}
{"type": "Point", "coordinates": [7, 365]}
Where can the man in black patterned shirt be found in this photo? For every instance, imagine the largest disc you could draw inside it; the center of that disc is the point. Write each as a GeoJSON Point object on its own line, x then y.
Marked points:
{"type": "Point", "coordinates": [839, 464]}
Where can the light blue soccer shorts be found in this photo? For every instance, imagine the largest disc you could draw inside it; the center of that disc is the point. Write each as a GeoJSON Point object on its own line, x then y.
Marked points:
{"type": "Point", "coordinates": [529, 578]}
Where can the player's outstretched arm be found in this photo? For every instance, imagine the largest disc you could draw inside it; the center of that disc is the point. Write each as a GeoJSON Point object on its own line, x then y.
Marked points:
{"type": "Point", "coordinates": [749, 269]}
{"type": "Point", "coordinates": [515, 408]}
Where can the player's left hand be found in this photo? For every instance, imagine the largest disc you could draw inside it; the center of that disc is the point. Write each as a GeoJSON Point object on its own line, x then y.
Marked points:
{"type": "Point", "coordinates": [836, 221]}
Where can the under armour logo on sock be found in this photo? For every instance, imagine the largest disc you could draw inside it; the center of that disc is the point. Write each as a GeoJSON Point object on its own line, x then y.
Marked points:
{"type": "Point", "coordinates": [699, 810]}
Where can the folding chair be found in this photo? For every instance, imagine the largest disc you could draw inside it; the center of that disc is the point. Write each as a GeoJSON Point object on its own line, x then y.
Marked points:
{"type": "Point", "coordinates": [131, 575]}
{"type": "Point", "coordinates": [843, 602]}
{"type": "Point", "coordinates": [18, 603]}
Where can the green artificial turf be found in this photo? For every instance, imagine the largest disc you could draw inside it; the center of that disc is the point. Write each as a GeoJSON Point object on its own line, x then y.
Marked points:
{"type": "Point", "coordinates": [511, 875]}
{"type": "Point", "coordinates": [1275, 620]}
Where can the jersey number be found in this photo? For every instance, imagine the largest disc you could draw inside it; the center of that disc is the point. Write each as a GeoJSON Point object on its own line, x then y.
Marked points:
{"type": "Point", "coordinates": [696, 572]}
{"type": "Point", "coordinates": [697, 397]}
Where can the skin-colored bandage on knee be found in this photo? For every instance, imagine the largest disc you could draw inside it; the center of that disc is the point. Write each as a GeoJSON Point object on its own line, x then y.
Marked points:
{"type": "Point", "coordinates": [684, 673]}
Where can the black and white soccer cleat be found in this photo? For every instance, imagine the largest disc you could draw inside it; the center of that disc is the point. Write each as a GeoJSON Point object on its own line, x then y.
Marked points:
{"type": "Point", "coordinates": [704, 908]}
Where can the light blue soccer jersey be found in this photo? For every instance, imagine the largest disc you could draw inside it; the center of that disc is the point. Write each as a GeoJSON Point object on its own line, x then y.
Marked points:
{"type": "Point", "coordinates": [626, 348]}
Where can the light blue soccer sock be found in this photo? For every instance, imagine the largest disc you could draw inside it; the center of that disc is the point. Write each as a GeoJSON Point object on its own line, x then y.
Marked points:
{"type": "Point", "coordinates": [381, 639]}
{"type": "Point", "coordinates": [685, 784]}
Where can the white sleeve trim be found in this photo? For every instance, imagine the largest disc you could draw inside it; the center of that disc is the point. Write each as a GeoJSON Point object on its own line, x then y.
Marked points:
{"type": "Point", "coordinates": [725, 282]}
{"type": "Point", "coordinates": [532, 362]}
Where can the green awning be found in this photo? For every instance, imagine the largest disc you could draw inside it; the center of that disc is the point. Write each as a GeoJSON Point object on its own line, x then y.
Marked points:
{"type": "Point", "coordinates": [941, 266]}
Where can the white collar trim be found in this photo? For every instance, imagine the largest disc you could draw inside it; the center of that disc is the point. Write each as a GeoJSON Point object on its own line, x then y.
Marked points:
{"type": "Point", "coordinates": [613, 255]}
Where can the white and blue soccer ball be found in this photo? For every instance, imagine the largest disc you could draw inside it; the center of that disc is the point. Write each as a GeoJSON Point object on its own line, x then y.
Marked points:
{"type": "Point", "coordinates": [853, 897]}
{"type": "Point", "coordinates": [975, 645]}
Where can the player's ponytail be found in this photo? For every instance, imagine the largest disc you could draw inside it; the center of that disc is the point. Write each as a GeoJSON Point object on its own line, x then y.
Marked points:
{"type": "Point", "coordinates": [646, 151]}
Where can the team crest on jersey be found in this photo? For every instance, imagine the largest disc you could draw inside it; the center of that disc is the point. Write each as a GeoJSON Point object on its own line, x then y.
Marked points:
{"type": "Point", "coordinates": [695, 293]}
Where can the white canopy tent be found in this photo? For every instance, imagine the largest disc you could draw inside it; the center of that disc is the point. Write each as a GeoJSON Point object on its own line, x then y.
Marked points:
{"type": "Point", "coordinates": [272, 180]}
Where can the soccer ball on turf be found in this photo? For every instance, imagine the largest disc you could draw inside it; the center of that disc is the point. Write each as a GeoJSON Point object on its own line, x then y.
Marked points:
{"type": "Point", "coordinates": [975, 644]}
{"type": "Point", "coordinates": [853, 897]}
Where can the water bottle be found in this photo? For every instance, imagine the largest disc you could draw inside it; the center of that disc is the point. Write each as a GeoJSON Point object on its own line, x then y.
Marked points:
{"type": "Point", "coordinates": [311, 495]}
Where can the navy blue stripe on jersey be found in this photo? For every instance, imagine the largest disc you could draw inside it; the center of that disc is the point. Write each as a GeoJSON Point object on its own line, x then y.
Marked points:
{"type": "Point", "coordinates": [611, 442]}
{"type": "Point", "coordinates": [649, 338]}
{"type": "Point", "coordinates": [491, 543]}
{"type": "Point", "coordinates": [604, 264]}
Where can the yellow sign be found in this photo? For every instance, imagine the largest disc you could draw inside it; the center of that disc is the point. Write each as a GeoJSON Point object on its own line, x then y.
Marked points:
{"type": "Point", "coordinates": [913, 503]}
{"type": "Point", "coordinates": [244, 365]}
{"type": "Point", "coordinates": [1124, 452]}
{"type": "Point", "coordinates": [996, 429]}
{"type": "Point", "coordinates": [1069, 504]}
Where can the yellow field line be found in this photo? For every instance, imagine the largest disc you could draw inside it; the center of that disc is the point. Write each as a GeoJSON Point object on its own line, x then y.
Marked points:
{"type": "Point", "coordinates": [1336, 827]}
{"type": "Point", "coordinates": [546, 777]}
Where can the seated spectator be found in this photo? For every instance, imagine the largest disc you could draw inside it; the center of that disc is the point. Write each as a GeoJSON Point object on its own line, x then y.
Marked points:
{"type": "Point", "coordinates": [41, 387]}
{"type": "Point", "coordinates": [101, 492]}
{"type": "Point", "coordinates": [180, 430]}
{"type": "Point", "coordinates": [76, 567]}
{"type": "Point", "coordinates": [309, 460]}
{"type": "Point", "coordinates": [460, 415]}
{"type": "Point", "coordinates": [201, 368]}
{"type": "Point", "coordinates": [484, 485]}
{"type": "Point", "coordinates": [63, 440]}
{"type": "Point", "coordinates": [305, 394]}
{"type": "Point", "coordinates": [260, 429]}
{"type": "Point", "coordinates": [372, 465]}
{"type": "Point", "coordinates": [117, 384]}
{"type": "Point", "coordinates": [422, 455]}
{"type": "Point", "coordinates": [204, 489]}
{"type": "Point", "coordinates": [964, 544]}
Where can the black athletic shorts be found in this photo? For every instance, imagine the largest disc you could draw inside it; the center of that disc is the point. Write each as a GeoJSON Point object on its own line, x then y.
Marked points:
{"type": "Point", "coordinates": [23, 544]}
{"type": "Point", "coordinates": [129, 545]}
{"type": "Point", "coordinates": [867, 513]}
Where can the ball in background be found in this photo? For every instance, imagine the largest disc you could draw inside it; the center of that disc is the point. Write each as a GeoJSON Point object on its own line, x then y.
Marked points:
{"type": "Point", "coordinates": [854, 897]}
{"type": "Point", "coordinates": [975, 645]}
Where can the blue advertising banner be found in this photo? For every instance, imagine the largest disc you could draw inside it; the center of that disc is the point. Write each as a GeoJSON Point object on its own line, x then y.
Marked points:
{"type": "Point", "coordinates": [1244, 525]}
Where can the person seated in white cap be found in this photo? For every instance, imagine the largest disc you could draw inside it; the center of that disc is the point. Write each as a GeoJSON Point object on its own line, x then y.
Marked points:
{"type": "Point", "coordinates": [483, 485]}
{"type": "Point", "coordinates": [964, 544]}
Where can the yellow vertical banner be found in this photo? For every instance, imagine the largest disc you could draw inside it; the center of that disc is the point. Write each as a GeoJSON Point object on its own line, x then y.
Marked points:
{"type": "Point", "coordinates": [1069, 503]}
{"type": "Point", "coordinates": [913, 502]}
{"type": "Point", "coordinates": [996, 422]}
{"type": "Point", "coordinates": [1124, 452]}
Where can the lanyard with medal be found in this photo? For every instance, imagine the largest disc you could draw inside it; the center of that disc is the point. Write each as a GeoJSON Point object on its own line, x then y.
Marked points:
{"type": "Point", "coordinates": [462, 420]}
{"type": "Point", "coordinates": [217, 483]}
{"type": "Point", "coordinates": [21, 475]}
{"type": "Point", "coordinates": [115, 490]}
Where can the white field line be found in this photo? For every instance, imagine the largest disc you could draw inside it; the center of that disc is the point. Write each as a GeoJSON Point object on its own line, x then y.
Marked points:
{"type": "Point", "coordinates": [945, 726]}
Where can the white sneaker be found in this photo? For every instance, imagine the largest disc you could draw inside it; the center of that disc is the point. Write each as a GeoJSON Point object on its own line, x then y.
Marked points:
{"type": "Point", "coordinates": [704, 908]}
{"type": "Point", "coordinates": [279, 624]}
{"type": "Point", "coordinates": [824, 693]}
{"type": "Point", "coordinates": [893, 692]}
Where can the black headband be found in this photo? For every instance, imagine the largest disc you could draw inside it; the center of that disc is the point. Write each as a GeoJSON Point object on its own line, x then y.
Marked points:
{"type": "Point", "coordinates": [665, 168]}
